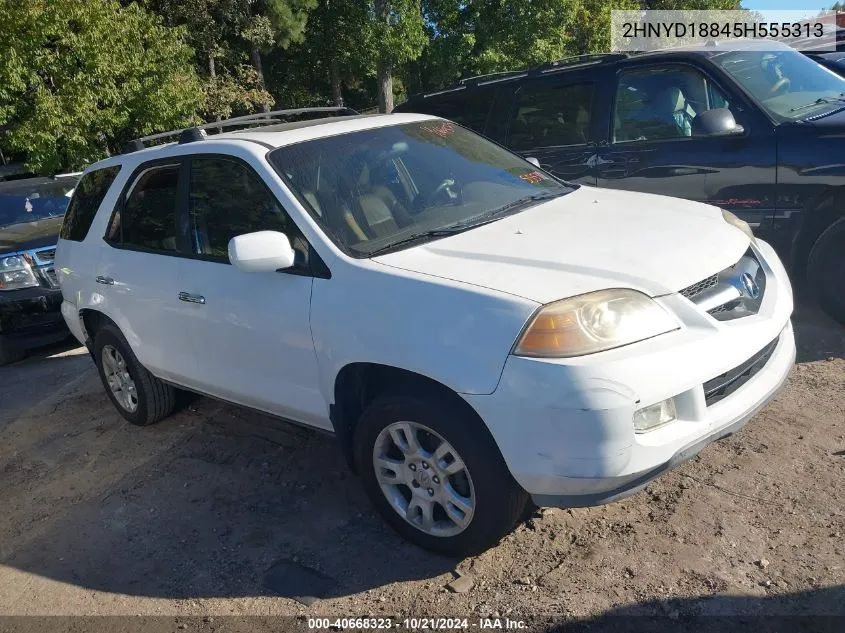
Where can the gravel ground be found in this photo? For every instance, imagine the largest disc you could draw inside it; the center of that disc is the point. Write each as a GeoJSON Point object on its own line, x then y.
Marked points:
{"type": "Point", "coordinates": [217, 511]}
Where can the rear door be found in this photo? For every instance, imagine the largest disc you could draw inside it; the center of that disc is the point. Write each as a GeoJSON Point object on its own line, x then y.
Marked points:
{"type": "Point", "coordinates": [553, 119]}
{"type": "Point", "coordinates": [139, 273]}
{"type": "Point", "coordinates": [652, 143]}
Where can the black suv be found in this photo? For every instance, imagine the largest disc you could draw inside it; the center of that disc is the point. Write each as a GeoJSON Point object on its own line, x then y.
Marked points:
{"type": "Point", "coordinates": [759, 132]}
{"type": "Point", "coordinates": [31, 214]}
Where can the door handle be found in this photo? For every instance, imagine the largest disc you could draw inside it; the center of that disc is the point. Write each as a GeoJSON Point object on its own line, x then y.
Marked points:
{"type": "Point", "coordinates": [184, 296]}
{"type": "Point", "coordinates": [107, 281]}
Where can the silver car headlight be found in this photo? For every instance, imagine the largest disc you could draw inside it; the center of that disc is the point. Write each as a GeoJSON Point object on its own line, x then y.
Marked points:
{"type": "Point", "coordinates": [16, 272]}
{"type": "Point", "coordinates": [742, 225]}
{"type": "Point", "coordinates": [593, 322]}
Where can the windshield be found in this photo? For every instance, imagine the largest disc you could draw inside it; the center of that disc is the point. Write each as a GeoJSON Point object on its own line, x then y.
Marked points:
{"type": "Point", "coordinates": [34, 199]}
{"type": "Point", "coordinates": [786, 83]}
{"type": "Point", "coordinates": [377, 188]}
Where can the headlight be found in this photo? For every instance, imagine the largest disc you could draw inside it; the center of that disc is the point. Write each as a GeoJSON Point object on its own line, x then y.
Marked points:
{"type": "Point", "coordinates": [593, 322]}
{"type": "Point", "coordinates": [742, 225]}
{"type": "Point", "coordinates": [16, 273]}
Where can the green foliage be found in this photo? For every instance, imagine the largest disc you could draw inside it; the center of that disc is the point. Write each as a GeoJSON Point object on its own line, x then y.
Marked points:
{"type": "Point", "coordinates": [80, 78]}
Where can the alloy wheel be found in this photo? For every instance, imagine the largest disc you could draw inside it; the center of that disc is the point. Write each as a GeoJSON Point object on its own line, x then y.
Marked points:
{"type": "Point", "coordinates": [424, 479]}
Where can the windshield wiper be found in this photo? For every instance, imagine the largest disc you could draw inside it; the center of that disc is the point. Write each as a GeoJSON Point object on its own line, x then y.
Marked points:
{"type": "Point", "coordinates": [819, 101]}
{"type": "Point", "coordinates": [464, 225]}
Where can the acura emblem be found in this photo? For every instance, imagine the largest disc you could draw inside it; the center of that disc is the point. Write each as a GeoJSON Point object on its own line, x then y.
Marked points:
{"type": "Point", "coordinates": [750, 286]}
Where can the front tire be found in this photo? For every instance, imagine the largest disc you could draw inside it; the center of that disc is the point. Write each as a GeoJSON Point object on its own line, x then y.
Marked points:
{"type": "Point", "coordinates": [826, 270]}
{"type": "Point", "coordinates": [435, 474]}
{"type": "Point", "coordinates": [140, 397]}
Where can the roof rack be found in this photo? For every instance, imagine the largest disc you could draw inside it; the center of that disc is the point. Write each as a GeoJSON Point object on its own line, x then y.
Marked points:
{"type": "Point", "coordinates": [487, 78]}
{"type": "Point", "coordinates": [198, 132]}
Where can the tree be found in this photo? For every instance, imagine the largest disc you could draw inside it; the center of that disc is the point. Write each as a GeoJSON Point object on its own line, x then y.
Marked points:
{"type": "Point", "coordinates": [79, 79]}
{"type": "Point", "coordinates": [393, 35]}
{"type": "Point", "coordinates": [272, 23]}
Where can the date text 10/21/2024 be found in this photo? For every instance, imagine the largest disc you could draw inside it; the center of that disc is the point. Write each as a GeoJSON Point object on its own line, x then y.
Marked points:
{"type": "Point", "coordinates": [417, 624]}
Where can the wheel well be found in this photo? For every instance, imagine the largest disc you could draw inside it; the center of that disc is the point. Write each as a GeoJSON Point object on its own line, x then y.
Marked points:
{"type": "Point", "coordinates": [92, 320]}
{"type": "Point", "coordinates": [358, 384]}
{"type": "Point", "coordinates": [820, 216]}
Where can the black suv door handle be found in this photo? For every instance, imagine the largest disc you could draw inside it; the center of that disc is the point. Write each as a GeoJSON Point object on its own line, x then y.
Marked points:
{"type": "Point", "coordinates": [184, 296]}
{"type": "Point", "coordinates": [107, 281]}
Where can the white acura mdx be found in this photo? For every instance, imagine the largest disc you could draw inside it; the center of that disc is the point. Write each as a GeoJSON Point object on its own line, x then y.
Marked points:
{"type": "Point", "coordinates": [474, 331]}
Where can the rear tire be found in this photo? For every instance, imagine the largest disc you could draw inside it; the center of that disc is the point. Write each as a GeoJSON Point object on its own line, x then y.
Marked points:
{"type": "Point", "coordinates": [139, 397]}
{"type": "Point", "coordinates": [826, 270]}
{"type": "Point", "coordinates": [492, 500]}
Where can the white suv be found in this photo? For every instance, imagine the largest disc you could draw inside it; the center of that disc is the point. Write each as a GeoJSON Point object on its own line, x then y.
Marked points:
{"type": "Point", "coordinates": [474, 331]}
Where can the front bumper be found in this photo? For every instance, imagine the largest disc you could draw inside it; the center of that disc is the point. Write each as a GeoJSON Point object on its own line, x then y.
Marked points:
{"type": "Point", "coordinates": [565, 426]}
{"type": "Point", "coordinates": [31, 317]}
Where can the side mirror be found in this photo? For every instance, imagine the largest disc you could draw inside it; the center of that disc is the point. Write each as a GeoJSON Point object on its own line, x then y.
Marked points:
{"type": "Point", "coordinates": [533, 161]}
{"type": "Point", "coordinates": [261, 252]}
{"type": "Point", "coordinates": [716, 122]}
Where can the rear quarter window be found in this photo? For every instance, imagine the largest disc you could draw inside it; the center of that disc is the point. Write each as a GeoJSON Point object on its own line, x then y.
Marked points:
{"type": "Point", "coordinates": [87, 197]}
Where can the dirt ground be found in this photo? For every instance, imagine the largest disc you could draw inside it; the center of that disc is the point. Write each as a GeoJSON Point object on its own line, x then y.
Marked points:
{"type": "Point", "coordinates": [218, 511]}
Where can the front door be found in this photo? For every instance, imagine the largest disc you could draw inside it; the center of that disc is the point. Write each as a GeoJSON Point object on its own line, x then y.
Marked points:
{"type": "Point", "coordinates": [250, 331]}
{"type": "Point", "coordinates": [653, 144]}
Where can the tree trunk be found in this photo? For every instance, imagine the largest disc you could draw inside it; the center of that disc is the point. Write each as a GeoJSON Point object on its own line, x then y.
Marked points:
{"type": "Point", "coordinates": [212, 73]}
{"type": "Point", "coordinates": [259, 69]}
{"type": "Point", "coordinates": [337, 84]}
{"type": "Point", "coordinates": [385, 87]}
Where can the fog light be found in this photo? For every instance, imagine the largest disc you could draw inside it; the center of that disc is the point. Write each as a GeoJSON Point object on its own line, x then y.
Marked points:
{"type": "Point", "coordinates": [656, 415]}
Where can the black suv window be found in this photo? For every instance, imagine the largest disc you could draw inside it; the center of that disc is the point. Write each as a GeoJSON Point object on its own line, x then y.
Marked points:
{"type": "Point", "coordinates": [87, 197]}
{"type": "Point", "coordinates": [548, 116]}
{"type": "Point", "coordinates": [469, 109]}
{"type": "Point", "coordinates": [227, 198]}
{"type": "Point", "coordinates": [662, 102]}
{"type": "Point", "coordinates": [148, 217]}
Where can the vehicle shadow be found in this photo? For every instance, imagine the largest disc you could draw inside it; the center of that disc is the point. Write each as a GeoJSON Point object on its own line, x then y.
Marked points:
{"type": "Point", "coordinates": [819, 610]}
{"type": "Point", "coordinates": [215, 501]}
{"type": "Point", "coordinates": [817, 336]}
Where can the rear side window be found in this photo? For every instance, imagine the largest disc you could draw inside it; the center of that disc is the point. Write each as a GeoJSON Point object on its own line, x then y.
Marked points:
{"type": "Point", "coordinates": [147, 218]}
{"type": "Point", "coordinates": [548, 116]}
{"type": "Point", "coordinates": [87, 197]}
{"type": "Point", "coordinates": [469, 109]}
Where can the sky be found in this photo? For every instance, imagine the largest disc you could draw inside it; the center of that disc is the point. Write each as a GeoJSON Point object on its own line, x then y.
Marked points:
{"type": "Point", "coordinates": [783, 5]}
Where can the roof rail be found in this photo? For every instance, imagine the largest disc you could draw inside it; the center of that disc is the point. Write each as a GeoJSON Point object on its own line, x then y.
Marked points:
{"type": "Point", "coordinates": [489, 76]}
{"type": "Point", "coordinates": [576, 60]}
{"type": "Point", "coordinates": [543, 69]}
{"type": "Point", "coordinates": [198, 132]}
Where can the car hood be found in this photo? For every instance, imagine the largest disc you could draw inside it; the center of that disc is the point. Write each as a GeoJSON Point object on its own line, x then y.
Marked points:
{"type": "Point", "coordinates": [588, 240]}
{"type": "Point", "coordinates": [28, 235]}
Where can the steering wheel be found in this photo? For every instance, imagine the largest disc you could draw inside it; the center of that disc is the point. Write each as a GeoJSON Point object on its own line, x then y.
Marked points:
{"type": "Point", "coordinates": [451, 187]}
{"type": "Point", "coordinates": [780, 86]}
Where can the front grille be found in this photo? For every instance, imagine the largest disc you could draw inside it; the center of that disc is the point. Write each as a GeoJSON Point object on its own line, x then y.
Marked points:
{"type": "Point", "coordinates": [723, 385]}
{"type": "Point", "coordinates": [732, 293]}
{"type": "Point", "coordinates": [45, 255]}
{"type": "Point", "coordinates": [690, 292]}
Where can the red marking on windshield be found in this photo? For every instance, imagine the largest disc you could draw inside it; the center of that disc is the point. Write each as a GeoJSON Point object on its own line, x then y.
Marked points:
{"type": "Point", "coordinates": [533, 177]}
{"type": "Point", "coordinates": [443, 129]}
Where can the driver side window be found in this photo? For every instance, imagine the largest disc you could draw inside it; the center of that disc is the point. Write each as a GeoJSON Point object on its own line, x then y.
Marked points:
{"type": "Point", "coordinates": [662, 102]}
